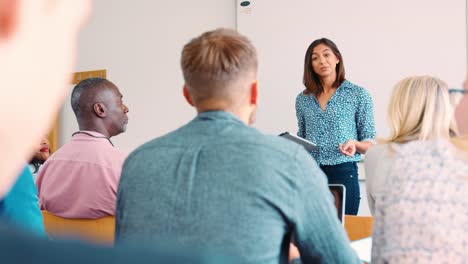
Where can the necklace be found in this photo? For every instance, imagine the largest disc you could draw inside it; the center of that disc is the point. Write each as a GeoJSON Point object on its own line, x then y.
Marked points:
{"type": "Point", "coordinates": [91, 135]}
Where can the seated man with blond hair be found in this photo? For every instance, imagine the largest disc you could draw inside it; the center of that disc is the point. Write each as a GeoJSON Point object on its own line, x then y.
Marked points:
{"type": "Point", "coordinates": [216, 182]}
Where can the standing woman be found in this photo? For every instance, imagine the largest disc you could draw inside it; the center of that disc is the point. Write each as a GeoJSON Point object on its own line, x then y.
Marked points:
{"type": "Point", "coordinates": [337, 115]}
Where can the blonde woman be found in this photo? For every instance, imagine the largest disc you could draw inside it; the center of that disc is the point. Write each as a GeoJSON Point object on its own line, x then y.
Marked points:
{"type": "Point", "coordinates": [419, 109]}
{"type": "Point", "coordinates": [422, 215]}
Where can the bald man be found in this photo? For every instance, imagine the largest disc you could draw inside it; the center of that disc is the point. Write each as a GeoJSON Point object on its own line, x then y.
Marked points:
{"type": "Point", "coordinates": [80, 179]}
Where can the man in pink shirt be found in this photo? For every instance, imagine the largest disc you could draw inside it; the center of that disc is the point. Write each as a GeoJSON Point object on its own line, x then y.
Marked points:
{"type": "Point", "coordinates": [80, 179]}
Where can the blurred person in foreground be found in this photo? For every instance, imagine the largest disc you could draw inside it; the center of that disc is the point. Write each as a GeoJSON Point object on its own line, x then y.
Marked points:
{"type": "Point", "coordinates": [37, 49]}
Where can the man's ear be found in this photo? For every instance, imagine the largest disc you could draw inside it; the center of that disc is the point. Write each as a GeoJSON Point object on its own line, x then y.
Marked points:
{"type": "Point", "coordinates": [9, 12]}
{"type": "Point", "coordinates": [187, 95]}
{"type": "Point", "coordinates": [254, 93]}
{"type": "Point", "coordinates": [99, 109]}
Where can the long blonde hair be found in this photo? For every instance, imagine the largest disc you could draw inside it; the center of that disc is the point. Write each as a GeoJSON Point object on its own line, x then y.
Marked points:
{"type": "Point", "coordinates": [420, 109]}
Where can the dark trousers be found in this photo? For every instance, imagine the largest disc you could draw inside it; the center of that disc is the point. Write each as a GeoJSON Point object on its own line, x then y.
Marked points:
{"type": "Point", "coordinates": [346, 174]}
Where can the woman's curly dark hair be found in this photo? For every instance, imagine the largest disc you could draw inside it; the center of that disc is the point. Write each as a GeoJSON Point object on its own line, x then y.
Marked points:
{"type": "Point", "coordinates": [36, 163]}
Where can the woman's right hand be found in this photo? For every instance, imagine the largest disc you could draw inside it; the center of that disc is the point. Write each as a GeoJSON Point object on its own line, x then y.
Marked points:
{"type": "Point", "coordinates": [348, 148]}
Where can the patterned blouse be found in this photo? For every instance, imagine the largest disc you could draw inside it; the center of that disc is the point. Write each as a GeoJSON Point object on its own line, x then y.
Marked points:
{"type": "Point", "coordinates": [348, 115]}
{"type": "Point", "coordinates": [423, 215]}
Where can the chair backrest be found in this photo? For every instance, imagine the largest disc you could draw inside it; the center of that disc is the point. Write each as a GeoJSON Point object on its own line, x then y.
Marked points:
{"type": "Point", "coordinates": [358, 227]}
{"type": "Point", "coordinates": [100, 231]}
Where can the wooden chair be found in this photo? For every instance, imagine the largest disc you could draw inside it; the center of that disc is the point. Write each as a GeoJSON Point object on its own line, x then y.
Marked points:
{"type": "Point", "coordinates": [99, 231]}
{"type": "Point", "coordinates": [358, 227]}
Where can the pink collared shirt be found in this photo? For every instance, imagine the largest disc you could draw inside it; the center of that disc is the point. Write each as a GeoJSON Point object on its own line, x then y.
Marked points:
{"type": "Point", "coordinates": [80, 179]}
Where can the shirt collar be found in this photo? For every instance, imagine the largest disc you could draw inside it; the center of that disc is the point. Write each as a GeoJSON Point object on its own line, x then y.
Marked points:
{"type": "Point", "coordinates": [90, 135]}
{"type": "Point", "coordinates": [345, 84]}
{"type": "Point", "coordinates": [218, 115]}
{"type": "Point", "coordinates": [94, 133]}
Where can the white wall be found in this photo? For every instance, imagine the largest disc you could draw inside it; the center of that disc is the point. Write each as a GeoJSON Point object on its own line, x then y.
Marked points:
{"type": "Point", "coordinates": [381, 43]}
{"type": "Point", "coordinates": [139, 43]}
{"type": "Point", "coordinates": [140, 47]}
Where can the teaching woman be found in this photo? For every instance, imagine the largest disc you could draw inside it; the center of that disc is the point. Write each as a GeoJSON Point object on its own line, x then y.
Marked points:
{"type": "Point", "coordinates": [337, 115]}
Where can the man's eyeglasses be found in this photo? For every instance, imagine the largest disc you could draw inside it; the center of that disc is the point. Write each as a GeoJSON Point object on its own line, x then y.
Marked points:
{"type": "Point", "coordinates": [458, 91]}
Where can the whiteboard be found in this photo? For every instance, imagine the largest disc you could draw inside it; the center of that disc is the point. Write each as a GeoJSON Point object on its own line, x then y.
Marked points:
{"type": "Point", "coordinates": [381, 43]}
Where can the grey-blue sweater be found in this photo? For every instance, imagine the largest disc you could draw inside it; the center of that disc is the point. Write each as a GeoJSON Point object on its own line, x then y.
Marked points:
{"type": "Point", "coordinates": [218, 183]}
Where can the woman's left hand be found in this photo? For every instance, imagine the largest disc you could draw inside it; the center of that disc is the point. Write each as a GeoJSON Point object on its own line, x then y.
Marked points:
{"type": "Point", "coordinates": [348, 148]}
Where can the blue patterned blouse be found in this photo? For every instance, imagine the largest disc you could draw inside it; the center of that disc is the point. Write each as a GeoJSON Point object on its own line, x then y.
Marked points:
{"type": "Point", "coordinates": [349, 114]}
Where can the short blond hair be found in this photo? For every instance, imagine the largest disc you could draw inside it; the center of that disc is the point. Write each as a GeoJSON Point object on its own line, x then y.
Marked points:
{"type": "Point", "coordinates": [420, 109]}
{"type": "Point", "coordinates": [214, 62]}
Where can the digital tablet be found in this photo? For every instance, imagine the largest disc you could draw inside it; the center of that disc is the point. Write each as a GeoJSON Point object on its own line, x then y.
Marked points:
{"type": "Point", "coordinates": [309, 146]}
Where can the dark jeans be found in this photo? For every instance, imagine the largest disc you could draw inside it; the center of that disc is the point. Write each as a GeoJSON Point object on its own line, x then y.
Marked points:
{"type": "Point", "coordinates": [346, 174]}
